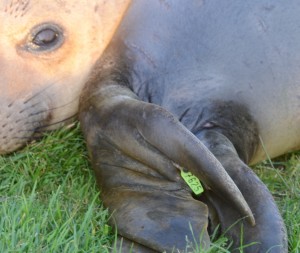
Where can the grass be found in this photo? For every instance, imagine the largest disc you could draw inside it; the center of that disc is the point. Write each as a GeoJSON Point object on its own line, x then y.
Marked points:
{"type": "Point", "coordinates": [49, 201]}
{"type": "Point", "coordinates": [283, 179]}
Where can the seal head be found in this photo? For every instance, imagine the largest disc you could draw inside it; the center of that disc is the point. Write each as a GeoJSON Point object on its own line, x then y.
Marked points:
{"type": "Point", "coordinates": [47, 51]}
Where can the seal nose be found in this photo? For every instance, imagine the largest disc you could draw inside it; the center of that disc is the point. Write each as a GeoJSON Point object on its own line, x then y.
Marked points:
{"type": "Point", "coordinates": [8, 126]}
{"type": "Point", "coordinates": [18, 122]}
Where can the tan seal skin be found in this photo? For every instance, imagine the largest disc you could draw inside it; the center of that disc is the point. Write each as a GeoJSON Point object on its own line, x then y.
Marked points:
{"type": "Point", "coordinates": [47, 49]}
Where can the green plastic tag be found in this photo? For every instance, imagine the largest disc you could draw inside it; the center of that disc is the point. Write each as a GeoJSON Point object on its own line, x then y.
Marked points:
{"type": "Point", "coordinates": [192, 181]}
{"type": "Point", "coordinates": [106, 229]}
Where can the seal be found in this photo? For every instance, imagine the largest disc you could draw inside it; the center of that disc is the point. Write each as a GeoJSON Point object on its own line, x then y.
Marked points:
{"type": "Point", "coordinates": [205, 86]}
{"type": "Point", "coordinates": [47, 51]}
{"type": "Point", "coordinates": [202, 92]}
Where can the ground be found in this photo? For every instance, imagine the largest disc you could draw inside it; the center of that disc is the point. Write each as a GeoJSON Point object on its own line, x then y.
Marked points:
{"type": "Point", "coordinates": [49, 201]}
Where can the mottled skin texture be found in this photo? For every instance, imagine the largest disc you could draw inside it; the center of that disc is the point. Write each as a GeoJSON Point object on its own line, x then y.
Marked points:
{"type": "Point", "coordinates": [225, 71]}
{"type": "Point", "coordinates": [47, 49]}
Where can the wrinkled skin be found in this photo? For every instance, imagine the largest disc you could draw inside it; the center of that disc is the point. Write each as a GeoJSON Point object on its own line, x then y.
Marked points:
{"type": "Point", "coordinates": [192, 93]}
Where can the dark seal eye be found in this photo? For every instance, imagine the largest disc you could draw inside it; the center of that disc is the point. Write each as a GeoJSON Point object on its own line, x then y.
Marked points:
{"type": "Point", "coordinates": [45, 38]}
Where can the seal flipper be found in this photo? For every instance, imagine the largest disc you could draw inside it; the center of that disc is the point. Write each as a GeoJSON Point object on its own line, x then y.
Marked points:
{"type": "Point", "coordinates": [123, 135]}
{"type": "Point", "coordinates": [159, 220]}
{"type": "Point", "coordinates": [152, 209]}
{"type": "Point", "coordinates": [232, 137]}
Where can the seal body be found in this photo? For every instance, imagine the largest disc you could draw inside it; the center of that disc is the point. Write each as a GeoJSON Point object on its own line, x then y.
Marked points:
{"type": "Point", "coordinates": [181, 85]}
{"type": "Point", "coordinates": [247, 52]}
{"type": "Point", "coordinates": [47, 50]}
{"type": "Point", "coordinates": [226, 72]}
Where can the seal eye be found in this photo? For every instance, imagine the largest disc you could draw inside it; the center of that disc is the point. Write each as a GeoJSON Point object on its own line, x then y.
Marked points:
{"type": "Point", "coordinates": [45, 38]}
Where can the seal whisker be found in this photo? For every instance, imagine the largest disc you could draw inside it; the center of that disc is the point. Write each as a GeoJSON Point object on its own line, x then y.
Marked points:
{"type": "Point", "coordinates": [37, 129]}
{"type": "Point", "coordinates": [30, 107]}
{"type": "Point", "coordinates": [57, 122]}
{"type": "Point", "coordinates": [53, 108]}
{"type": "Point", "coordinates": [64, 105]}
{"type": "Point", "coordinates": [20, 96]}
{"type": "Point", "coordinates": [42, 91]}
{"type": "Point", "coordinates": [46, 110]}
{"type": "Point", "coordinates": [38, 121]}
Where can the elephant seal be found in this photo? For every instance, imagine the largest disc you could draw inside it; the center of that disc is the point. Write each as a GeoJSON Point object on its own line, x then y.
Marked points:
{"type": "Point", "coordinates": [199, 85]}
{"type": "Point", "coordinates": [182, 85]}
{"type": "Point", "coordinates": [47, 51]}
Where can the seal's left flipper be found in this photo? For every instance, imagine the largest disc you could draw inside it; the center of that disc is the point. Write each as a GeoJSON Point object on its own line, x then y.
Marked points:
{"type": "Point", "coordinates": [149, 204]}
{"type": "Point", "coordinates": [133, 147]}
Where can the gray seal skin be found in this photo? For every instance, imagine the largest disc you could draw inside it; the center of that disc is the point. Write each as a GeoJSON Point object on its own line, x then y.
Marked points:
{"type": "Point", "coordinates": [199, 85]}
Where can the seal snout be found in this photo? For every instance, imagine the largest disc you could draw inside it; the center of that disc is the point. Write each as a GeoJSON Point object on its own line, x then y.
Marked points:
{"type": "Point", "coordinates": [20, 120]}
